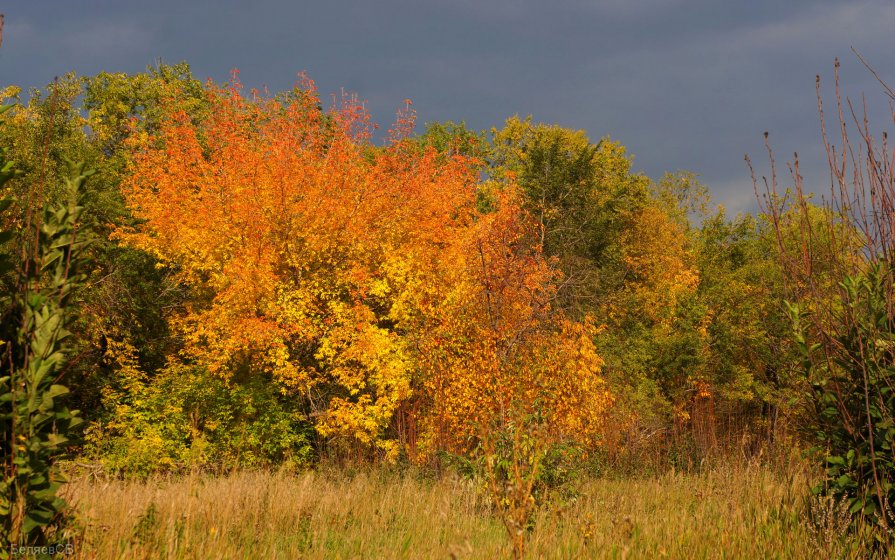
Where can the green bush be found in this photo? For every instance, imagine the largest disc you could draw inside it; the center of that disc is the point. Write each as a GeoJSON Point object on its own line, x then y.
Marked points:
{"type": "Point", "coordinates": [852, 376]}
{"type": "Point", "coordinates": [36, 427]}
{"type": "Point", "coordinates": [187, 418]}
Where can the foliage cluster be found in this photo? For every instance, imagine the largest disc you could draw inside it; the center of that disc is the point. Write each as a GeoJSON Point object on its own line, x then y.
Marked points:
{"type": "Point", "coordinates": [357, 279]}
{"type": "Point", "coordinates": [840, 297]}
{"type": "Point", "coordinates": [35, 425]}
{"type": "Point", "coordinates": [263, 253]}
{"type": "Point", "coordinates": [267, 285]}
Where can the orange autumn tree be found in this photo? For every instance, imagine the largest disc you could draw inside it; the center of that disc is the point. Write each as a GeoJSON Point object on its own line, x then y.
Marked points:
{"type": "Point", "coordinates": [495, 340]}
{"type": "Point", "coordinates": [360, 279]}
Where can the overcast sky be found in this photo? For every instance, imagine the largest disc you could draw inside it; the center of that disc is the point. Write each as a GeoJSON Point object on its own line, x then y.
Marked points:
{"type": "Point", "coordinates": [684, 84]}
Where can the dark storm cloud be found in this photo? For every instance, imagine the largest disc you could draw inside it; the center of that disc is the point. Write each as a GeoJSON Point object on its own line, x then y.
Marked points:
{"type": "Point", "coordinates": [685, 84]}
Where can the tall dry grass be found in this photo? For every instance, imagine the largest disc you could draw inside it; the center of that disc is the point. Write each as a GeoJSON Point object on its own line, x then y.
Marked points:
{"type": "Point", "coordinates": [727, 512]}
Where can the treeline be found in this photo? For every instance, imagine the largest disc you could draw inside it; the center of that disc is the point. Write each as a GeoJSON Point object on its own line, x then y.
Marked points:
{"type": "Point", "coordinates": [265, 284]}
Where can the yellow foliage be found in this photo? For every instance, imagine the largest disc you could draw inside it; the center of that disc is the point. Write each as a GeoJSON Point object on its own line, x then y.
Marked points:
{"type": "Point", "coordinates": [660, 265]}
{"type": "Point", "coordinates": [361, 279]}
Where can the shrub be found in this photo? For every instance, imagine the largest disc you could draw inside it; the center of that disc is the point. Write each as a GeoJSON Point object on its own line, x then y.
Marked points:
{"type": "Point", "coordinates": [853, 396]}
{"type": "Point", "coordinates": [187, 418]}
{"type": "Point", "coordinates": [840, 275]}
{"type": "Point", "coordinates": [35, 425]}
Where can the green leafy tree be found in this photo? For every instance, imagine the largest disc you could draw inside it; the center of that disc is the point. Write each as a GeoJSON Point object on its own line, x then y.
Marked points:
{"type": "Point", "coordinates": [123, 299]}
{"type": "Point", "coordinates": [452, 138]}
{"type": "Point", "coordinates": [35, 425]}
{"type": "Point", "coordinates": [583, 195]}
{"type": "Point", "coordinates": [748, 357]}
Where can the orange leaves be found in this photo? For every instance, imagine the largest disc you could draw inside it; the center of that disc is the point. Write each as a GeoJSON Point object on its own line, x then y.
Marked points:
{"type": "Point", "coordinates": [297, 238]}
{"type": "Point", "coordinates": [495, 341]}
{"type": "Point", "coordinates": [356, 277]}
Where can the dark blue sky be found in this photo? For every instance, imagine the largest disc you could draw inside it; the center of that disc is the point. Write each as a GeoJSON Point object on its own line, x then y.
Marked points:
{"type": "Point", "coordinates": [684, 84]}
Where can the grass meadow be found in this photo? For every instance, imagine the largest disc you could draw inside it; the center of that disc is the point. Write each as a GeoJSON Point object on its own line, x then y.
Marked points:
{"type": "Point", "coordinates": [728, 511]}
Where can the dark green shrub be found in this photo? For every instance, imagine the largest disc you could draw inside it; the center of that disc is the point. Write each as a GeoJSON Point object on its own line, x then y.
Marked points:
{"type": "Point", "coordinates": [35, 426]}
{"type": "Point", "coordinates": [852, 376]}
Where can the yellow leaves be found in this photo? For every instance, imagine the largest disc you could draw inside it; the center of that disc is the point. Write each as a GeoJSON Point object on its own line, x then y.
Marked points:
{"type": "Point", "coordinates": [379, 288]}
{"type": "Point", "coordinates": [299, 244]}
{"type": "Point", "coordinates": [660, 264]}
{"type": "Point", "coordinates": [704, 324]}
{"type": "Point", "coordinates": [360, 278]}
{"type": "Point", "coordinates": [10, 92]}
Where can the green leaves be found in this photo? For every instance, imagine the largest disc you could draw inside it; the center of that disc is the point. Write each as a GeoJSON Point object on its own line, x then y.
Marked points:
{"type": "Point", "coordinates": [852, 393]}
{"type": "Point", "coordinates": [8, 171]}
{"type": "Point", "coordinates": [185, 417]}
{"type": "Point", "coordinates": [35, 425]}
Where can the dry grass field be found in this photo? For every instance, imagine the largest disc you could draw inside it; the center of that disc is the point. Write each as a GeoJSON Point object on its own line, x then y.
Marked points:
{"type": "Point", "coordinates": [728, 512]}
